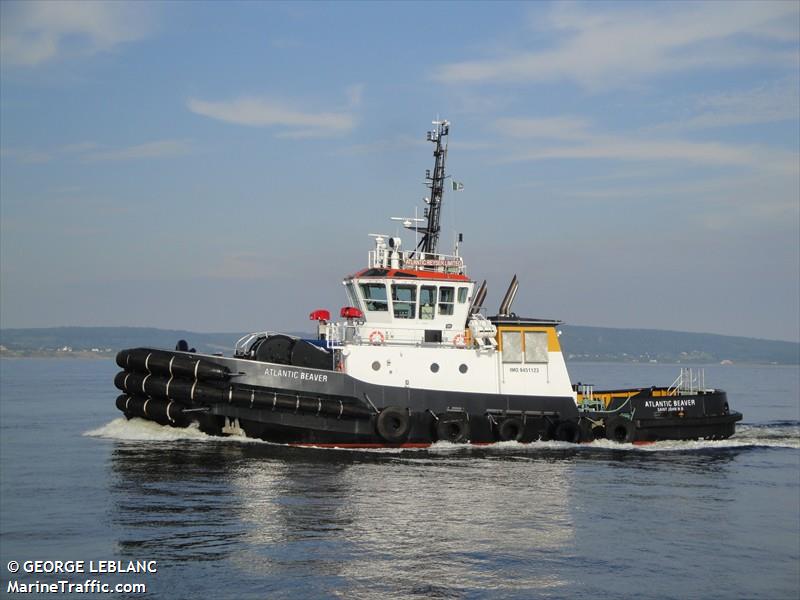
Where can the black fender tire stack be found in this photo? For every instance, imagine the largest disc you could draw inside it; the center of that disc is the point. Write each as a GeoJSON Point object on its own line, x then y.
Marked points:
{"type": "Point", "coordinates": [393, 424]}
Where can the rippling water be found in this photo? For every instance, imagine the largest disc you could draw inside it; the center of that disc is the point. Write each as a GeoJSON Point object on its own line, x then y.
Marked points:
{"type": "Point", "coordinates": [243, 519]}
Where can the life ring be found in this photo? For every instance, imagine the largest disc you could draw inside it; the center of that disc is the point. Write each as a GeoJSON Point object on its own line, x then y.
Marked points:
{"type": "Point", "coordinates": [620, 429]}
{"type": "Point", "coordinates": [511, 429]}
{"type": "Point", "coordinates": [376, 338]}
{"type": "Point", "coordinates": [454, 430]}
{"type": "Point", "coordinates": [567, 431]}
{"type": "Point", "coordinates": [393, 424]}
{"type": "Point", "coordinates": [459, 341]}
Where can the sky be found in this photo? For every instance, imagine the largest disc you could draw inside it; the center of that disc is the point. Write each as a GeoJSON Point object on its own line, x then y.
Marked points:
{"type": "Point", "coordinates": [218, 166]}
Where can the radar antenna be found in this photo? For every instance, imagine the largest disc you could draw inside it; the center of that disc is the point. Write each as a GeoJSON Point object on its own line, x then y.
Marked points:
{"type": "Point", "coordinates": [435, 181]}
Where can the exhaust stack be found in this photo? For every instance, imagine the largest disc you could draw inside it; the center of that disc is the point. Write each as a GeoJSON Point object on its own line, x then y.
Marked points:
{"type": "Point", "coordinates": [508, 299]}
{"type": "Point", "coordinates": [477, 303]}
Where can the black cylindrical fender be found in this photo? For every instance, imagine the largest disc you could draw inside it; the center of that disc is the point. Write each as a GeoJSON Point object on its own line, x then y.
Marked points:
{"type": "Point", "coordinates": [123, 402]}
{"type": "Point", "coordinates": [122, 359]}
{"type": "Point", "coordinates": [171, 364]}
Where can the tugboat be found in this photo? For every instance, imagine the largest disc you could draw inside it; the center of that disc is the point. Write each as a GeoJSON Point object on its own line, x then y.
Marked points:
{"type": "Point", "coordinates": [412, 361]}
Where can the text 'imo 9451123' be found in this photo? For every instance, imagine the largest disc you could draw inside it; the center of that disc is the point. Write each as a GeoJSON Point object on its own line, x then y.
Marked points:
{"type": "Point", "coordinates": [413, 360]}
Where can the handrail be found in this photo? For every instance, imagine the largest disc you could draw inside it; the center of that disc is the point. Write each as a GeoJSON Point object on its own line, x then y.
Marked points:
{"type": "Point", "coordinates": [245, 343]}
{"type": "Point", "coordinates": [410, 259]}
{"type": "Point", "coordinates": [690, 381]}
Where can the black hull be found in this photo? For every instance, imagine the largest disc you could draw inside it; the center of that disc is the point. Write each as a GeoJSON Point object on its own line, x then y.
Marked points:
{"type": "Point", "coordinates": [699, 428]}
{"type": "Point", "coordinates": [652, 416]}
{"type": "Point", "coordinates": [296, 405]}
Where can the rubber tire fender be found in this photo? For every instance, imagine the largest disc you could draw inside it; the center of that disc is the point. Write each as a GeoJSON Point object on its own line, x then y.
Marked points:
{"type": "Point", "coordinates": [587, 430]}
{"type": "Point", "coordinates": [393, 424]}
{"type": "Point", "coordinates": [567, 431]}
{"type": "Point", "coordinates": [621, 430]}
{"type": "Point", "coordinates": [452, 430]}
{"type": "Point", "coordinates": [511, 429]}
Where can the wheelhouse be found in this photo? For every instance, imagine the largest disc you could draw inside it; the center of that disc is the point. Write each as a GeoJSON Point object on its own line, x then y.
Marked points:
{"type": "Point", "coordinates": [412, 305]}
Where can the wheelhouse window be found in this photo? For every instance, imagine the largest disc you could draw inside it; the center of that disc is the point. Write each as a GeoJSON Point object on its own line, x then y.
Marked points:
{"type": "Point", "coordinates": [535, 347]}
{"type": "Point", "coordinates": [404, 301]}
{"type": "Point", "coordinates": [525, 346]}
{"type": "Point", "coordinates": [462, 294]}
{"type": "Point", "coordinates": [352, 297]}
{"type": "Point", "coordinates": [447, 296]}
{"type": "Point", "coordinates": [375, 296]}
{"type": "Point", "coordinates": [512, 346]}
{"type": "Point", "coordinates": [427, 301]}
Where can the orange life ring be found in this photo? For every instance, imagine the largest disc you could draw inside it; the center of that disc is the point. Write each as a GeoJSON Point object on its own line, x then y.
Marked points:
{"type": "Point", "coordinates": [459, 341]}
{"type": "Point", "coordinates": [376, 338]}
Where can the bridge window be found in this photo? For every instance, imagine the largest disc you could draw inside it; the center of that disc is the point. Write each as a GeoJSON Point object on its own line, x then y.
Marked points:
{"type": "Point", "coordinates": [535, 347]}
{"type": "Point", "coordinates": [375, 296]}
{"type": "Point", "coordinates": [352, 297]}
{"type": "Point", "coordinates": [427, 301]}
{"type": "Point", "coordinates": [512, 346]}
{"type": "Point", "coordinates": [462, 294]}
{"type": "Point", "coordinates": [404, 301]}
{"type": "Point", "coordinates": [446, 299]}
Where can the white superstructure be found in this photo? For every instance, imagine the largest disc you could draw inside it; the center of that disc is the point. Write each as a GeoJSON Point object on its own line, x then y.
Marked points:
{"type": "Point", "coordinates": [412, 321]}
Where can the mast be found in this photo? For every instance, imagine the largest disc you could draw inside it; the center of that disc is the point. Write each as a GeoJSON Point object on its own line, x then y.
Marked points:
{"type": "Point", "coordinates": [435, 181]}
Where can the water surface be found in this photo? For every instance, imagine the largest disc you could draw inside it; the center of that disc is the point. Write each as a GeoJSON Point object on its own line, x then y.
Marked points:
{"type": "Point", "coordinates": [243, 519]}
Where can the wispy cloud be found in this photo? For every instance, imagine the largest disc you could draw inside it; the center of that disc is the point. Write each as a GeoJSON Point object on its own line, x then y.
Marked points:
{"type": "Point", "coordinates": [35, 32]}
{"type": "Point", "coordinates": [558, 128]}
{"type": "Point", "coordinates": [94, 152]}
{"type": "Point", "coordinates": [379, 146]}
{"type": "Point", "coordinates": [292, 121]}
{"type": "Point", "coordinates": [601, 48]}
{"type": "Point", "coordinates": [25, 155]}
{"type": "Point", "coordinates": [769, 103]}
{"type": "Point", "coordinates": [572, 138]}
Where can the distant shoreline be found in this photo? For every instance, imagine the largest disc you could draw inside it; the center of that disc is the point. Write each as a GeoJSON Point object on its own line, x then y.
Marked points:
{"type": "Point", "coordinates": [79, 354]}
{"type": "Point", "coordinates": [88, 355]}
{"type": "Point", "coordinates": [580, 343]}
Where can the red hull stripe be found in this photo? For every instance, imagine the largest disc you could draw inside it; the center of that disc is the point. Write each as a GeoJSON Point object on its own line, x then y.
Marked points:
{"type": "Point", "coordinates": [405, 445]}
{"type": "Point", "coordinates": [410, 445]}
{"type": "Point", "coordinates": [348, 445]}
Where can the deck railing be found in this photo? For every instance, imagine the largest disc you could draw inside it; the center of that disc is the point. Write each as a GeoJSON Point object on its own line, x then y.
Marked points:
{"type": "Point", "coordinates": [437, 263]}
{"type": "Point", "coordinates": [690, 381]}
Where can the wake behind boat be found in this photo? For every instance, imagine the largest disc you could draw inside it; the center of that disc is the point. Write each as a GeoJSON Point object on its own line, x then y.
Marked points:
{"type": "Point", "coordinates": [412, 360]}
